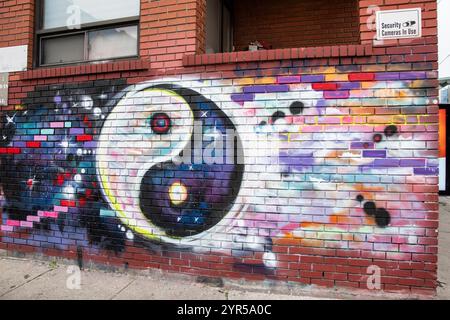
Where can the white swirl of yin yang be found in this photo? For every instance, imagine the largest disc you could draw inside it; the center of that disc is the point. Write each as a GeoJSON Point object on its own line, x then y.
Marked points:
{"type": "Point", "coordinates": [128, 149]}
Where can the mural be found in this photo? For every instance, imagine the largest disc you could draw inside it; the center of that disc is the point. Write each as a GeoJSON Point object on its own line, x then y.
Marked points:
{"type": "Point", "coordinates": [239, 166]}
{"type": "Point", "coordinates": [442, 149]}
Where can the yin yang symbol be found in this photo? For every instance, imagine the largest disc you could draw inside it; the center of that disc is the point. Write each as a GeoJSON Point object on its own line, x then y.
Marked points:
{"type": "Point", "coordinates": [143, 139]}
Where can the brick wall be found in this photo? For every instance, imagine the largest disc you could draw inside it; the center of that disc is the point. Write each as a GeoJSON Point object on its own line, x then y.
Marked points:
{"type": "Point", "coordinates": [305, 23]}
{"type": "Point", "coordinates": [348, 185]}
{"type": "Point", "coordinates": [17, 24]}
{"type": "Point", "coordinates": [17, 21]}
{"type": "Point", "coordinates": [170, 29]}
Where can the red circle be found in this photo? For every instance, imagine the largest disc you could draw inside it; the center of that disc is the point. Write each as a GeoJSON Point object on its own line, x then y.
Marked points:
{"type": "Point", "coordinates": [160, 123]}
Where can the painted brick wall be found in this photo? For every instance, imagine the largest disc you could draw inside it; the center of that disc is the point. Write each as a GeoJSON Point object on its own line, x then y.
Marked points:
{"type": "Point", "coordinates": [347, 186]}
{"type": "Point", "coordinates": [304, 24]}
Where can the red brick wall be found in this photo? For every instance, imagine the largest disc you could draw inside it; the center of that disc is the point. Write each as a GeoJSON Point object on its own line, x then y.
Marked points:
{"type": "Point", "coordinates": [170, 29]}
{"type": "Point", "coordinates": [17, 24]}
{"type": "Point", "coordinates": [295, 23]}
{"type": "Point", "coordinates": [16, 18]}
{"type": "Point", "coordinates": [357, 92]}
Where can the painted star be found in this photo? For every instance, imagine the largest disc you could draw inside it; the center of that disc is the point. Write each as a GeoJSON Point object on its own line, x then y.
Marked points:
{"type": "Point", "coordinates": [65, 144]}
{"type": "Point", "coordinates": [10, 119]}
{"type": "Point", "coordinates": [30, 183]}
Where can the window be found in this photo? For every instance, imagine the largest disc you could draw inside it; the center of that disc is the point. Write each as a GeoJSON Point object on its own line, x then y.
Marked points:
{"type": "Point", "coordinates": [219, 26]}
{"type": "Point", "coordinates": [75, 31]}
{"type": "Point", "coordinates": [250, 25]}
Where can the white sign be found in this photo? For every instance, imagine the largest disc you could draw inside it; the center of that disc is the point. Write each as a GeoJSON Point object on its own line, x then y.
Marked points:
{"type": "Point", "coordinates": [442, 174]}
{"type": "Point", "coordinates": [13, 59]}
{"type": "Point", "coordinates": [443, 95]}
{"type": "Point", "coordinates": [399, 24]}
{"type": "Point", "coordinates": [4, 89]}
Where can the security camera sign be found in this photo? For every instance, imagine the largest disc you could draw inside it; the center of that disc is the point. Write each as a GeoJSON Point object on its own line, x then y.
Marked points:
{"type": "Point", "coordinates": [399, 24]}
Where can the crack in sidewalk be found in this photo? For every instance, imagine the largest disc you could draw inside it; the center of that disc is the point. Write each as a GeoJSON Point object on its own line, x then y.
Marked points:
{"type": "Point", "coordinates": [122, 290]}
{"type": "Point", "coordinates": [27, 282]}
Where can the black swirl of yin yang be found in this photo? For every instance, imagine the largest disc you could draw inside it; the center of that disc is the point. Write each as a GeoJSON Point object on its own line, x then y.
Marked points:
{"type": "Point", "coordinates": [186, 181]}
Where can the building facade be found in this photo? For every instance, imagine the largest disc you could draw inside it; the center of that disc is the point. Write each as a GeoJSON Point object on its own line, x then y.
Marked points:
{"type": "Point", "coordinates": [256, 140]}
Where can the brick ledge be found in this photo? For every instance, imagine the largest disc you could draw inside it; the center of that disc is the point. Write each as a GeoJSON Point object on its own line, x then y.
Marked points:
{"type": "Point", "coordinates": [352, 50]}
{"type": "Point", "coordinates": [85, 69]}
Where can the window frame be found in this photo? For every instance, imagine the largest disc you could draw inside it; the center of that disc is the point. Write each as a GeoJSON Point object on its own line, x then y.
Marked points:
{"type": "Point", "coordinates": [230, 6]}
{"type": "Point", "coordinates": [41, 34]}
{"type": "Point", "coordinates": [224, 4]}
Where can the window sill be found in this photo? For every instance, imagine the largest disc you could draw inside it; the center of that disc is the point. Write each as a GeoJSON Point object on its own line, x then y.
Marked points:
{"type": "Point", "coordinates": [85, 69]}
{"type": "Point", "coordinates": [353, 50]}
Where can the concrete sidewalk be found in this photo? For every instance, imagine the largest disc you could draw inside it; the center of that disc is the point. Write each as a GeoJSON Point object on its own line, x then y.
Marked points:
{"type": "Point", "coordinates": [27, 279]}
{"type": "Point", "coordinates": [444, 248]}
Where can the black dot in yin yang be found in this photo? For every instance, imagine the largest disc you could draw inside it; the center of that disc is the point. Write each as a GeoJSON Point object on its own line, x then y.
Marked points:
{"type": "Point", "coordinates": [188, 199]}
